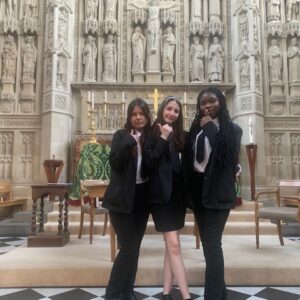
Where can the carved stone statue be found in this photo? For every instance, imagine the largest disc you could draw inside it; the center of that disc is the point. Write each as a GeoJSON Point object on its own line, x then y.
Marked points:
{"type": "Point", "coordinates": [216, 61]}
{"type": "Point", "coordinates": [168, 49]}
{"type": "Point", "coordinates": [196, 15]}
{"type": "Point", "coordinates": [109, 60]}
{"type": "Point", "coordinates": [110, 9]}
{"type": "Point", "coordinates": [153, 27]}
{"type": "Point", "coordinates": [292, 9]}
{"type": "Point", "coordinates": [245, 73]}
{"type": "Point", "coordinates": [138, 41]}
{"type": "Point", "coordinates": [11, 8]}
{"type": "Point", "coordinates": [244, 27]}
{"type": "Point", "coordinates": [214, 10]}
{"type": "Point", "coordinates": [273, 10]}
{"type": "Point", "coordinates": [89, 54]}
{"type": "Point", "coordinates": [9, 58]}
{"type": "Point", "coordinates": [91, 9]}
{"type": "Point", "coordinates": [29, 56]}
{"type": "Point", "coordinates": [293, 55]}
{"type": "Point", "coordinates": [62, 28]}
{"type": "Point", "coordinates": [30, 8]}
{"type": "Point", "coordinates": [196, 60]}
{"type": "Point", "coordinates": [275, 61]}
{"type": "Point", "coordinates": [61, 70]}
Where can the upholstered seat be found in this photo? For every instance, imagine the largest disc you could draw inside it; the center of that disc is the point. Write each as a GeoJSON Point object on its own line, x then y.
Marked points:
{"type": "Point", "coordinates": [288, 191]}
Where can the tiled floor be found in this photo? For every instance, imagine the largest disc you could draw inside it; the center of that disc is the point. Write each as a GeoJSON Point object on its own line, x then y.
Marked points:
{"type": "Point", "coordinates": [147, 293]}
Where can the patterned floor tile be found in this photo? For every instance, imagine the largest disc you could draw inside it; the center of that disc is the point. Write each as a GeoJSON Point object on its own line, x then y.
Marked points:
{"type": "Point", "coordinates": [48, 292]}
{"type": "Point", "coordinates": [275, 294]}
{"type": "Point", "coordinates": [26, 294]}
{"type": "Point", "coordinates": [9, 291]}
{"type": "Point", "coordinates": [75, 294]}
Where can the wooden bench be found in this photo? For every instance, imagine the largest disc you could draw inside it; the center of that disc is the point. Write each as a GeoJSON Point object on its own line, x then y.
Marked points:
{"type": "Point", "coordinates": [6, 198]}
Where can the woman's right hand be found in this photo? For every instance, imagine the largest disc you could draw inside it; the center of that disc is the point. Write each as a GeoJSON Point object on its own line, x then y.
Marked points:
{"type": "Point", "coordinates": [165, 130]}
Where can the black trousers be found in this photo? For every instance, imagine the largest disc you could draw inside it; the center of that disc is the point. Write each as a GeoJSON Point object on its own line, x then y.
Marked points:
{"type": "Point", "coordinates": [130, 229]}
{"type": "Point", "coordinates": [211, 223]}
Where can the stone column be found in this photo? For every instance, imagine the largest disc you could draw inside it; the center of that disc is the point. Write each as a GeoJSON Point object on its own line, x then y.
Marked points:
{"type": "Point", "coordinates": [248, 97]}
{"type": "Point", "coordinates": [56, 112]}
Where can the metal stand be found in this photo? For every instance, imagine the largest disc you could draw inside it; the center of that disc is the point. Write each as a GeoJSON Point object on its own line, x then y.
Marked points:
{"type": "Point", "coordinates": [251, 154]}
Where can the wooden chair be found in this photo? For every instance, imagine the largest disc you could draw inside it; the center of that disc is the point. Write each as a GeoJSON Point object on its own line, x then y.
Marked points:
{"type": "Point", "coordinates": [6, 196]}
{"type": "Point", "coordinates": [95, 189]}
{"type": "Point", "coordinates": [91, 207]}
{"type": "Point", "coordinates": [279, 212]}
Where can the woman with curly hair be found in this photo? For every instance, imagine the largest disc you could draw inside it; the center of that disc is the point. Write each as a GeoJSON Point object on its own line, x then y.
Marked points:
{"type": "Point", "coordinates": [210, 156]}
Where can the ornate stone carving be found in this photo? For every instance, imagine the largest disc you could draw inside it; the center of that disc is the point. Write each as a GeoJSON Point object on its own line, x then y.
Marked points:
{"type": "Point", "coordinates": [277, 109]}
{"type": "Point", "coordinates": [295, 155]}
{"type": "Point", "coordinates": [138, 41]}
{"type": "Point", "coordinates": [110, 24]}
{"type": "Point", "coordinates": [293, 54]}
{"type": "Point", "coordinates": [214, 11]}
{"type": "Point", "coordinates": [109, 52]}
{"type": "Point", "coordinates": [196, 11]}
{"type": "Point", "coordinates": [276, 155]}
{"type": "Point", "coordinates": [196, 60]}
{"type": "Point", "coordinates": [216, 61]}
{"type": "Point", "coordinates": [27, 156]}
{"type": "Point", "coordinates": [244, 26]}
{"type": "Point", "coordinates": [91, 9]}
{"type": "Point", "coordinates": [89, 56]}
{"type": "Point", "coordinates": [29, 57]}
{"type": "Point", "coordinates": [246, 103]}
{"type": "Point", "coordinates": [245, 74]}
{"type": "Point", "coordinates": [168, 17]}
{"type": "Point", "coordinates": [275, 61]}
{"type": "Point", "coordinates": [11, 8]}
{"type": "Point", "coordinates": [9, 58]}
{"type": "Point", "coordinates": [292, 9]}
{"type": "Point", "coordinates": [62, 28]}
{"type": "Point", "coordinates": [293, 28]}
{"type": "Point", "coordinates": [6, 154]}
{"type": "Point", "coordinates": [168, 49]}
{"type": "Point", "coordinates": [60, 102]}
{"type": "Point", "coordinates": [278, 99]}
{"type": "Point", "coordinates": [274, 28]}
{"type": "Point", "coordinates": [61, 69]}
{"type": "Point", "coordinates": [31, 9]}
{"type": "Point", "coordinates": [273, 10]}
{"type": "Point", "coordinates": [48, 62]}
{"type": "Point", "coordinates": [26, 104]}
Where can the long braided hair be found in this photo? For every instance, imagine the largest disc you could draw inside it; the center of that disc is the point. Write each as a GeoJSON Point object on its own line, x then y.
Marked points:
{"type": "Point", "coordinates": [224, 152]}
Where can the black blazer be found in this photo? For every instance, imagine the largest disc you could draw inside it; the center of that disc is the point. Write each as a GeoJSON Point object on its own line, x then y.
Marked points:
{"type": "Point", "coordinates": [218, 189]}
{"type": "Point", "coordinates": [159, 169]}
{"type": "Point", "coordinates": [119, 196]}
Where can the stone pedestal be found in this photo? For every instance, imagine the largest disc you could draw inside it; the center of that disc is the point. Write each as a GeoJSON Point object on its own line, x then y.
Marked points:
{"type": "Point", "coordinates": [7, 86]}
{"type": "Point", "coordinates": [138, 77]}
{"type": "Point", "coordinates": [295, 89]}
{"type": "Point", "coordinates": [153, 76]}
{"type": "Point", "coordinates": [168, 77]}
{"type": "Point", "coordinates": [27, 87]}
{"type": "Point", "coordinates": [277, 88]}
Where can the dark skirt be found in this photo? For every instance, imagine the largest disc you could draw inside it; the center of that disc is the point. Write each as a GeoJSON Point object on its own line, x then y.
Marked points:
{"type": "Point", "coordinates": [170, 216]}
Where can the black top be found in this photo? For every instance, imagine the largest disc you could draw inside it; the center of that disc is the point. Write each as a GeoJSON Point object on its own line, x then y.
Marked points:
{"type": "Point", "coordinates": [217, 183]}
{"type": "Point", "coordinates": [120, 193]}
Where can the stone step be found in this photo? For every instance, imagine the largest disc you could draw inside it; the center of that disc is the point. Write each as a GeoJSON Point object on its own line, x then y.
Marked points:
{"type": "Point", "coordinates": [235, 216]}
{"type": "Point", "coordinates": [23, 216]}
{"type": "Point", "coordinates": [11, 228]}
{"type": "Point", "coordinates": [238, 228]}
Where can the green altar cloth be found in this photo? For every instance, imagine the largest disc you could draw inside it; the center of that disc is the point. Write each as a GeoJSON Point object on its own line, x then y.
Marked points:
{"type": "Point", "coordinates": [93, 164]}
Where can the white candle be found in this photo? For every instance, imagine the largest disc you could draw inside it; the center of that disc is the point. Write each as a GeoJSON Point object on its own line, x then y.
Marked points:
{"type": "Point", "coordinates": [93, 100]}
{"type": "Point", "coordinates": [105, 95]}
{"type": "Point", "coordinates": [184, 98]}
{"type": "Point", "coordinates": [123, 97]}
{"type": "Point", "coordinates": [89, 97]}
{"type": "Point", "coordinates": [250, 131]}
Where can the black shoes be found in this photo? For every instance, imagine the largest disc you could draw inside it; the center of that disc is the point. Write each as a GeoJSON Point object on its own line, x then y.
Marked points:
{"type": "Point", "coordinates": [130, 296]}
{"type": "Point", "coordinates": [167, 297]}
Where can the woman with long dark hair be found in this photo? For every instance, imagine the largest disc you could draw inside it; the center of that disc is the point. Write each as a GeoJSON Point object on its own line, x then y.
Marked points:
{"type": "Point", "coordinates": [210, 157]}
{"type": "Point", "coordinates": [125, 198]}
{"type": "Point", "coordinates": [163, 148]}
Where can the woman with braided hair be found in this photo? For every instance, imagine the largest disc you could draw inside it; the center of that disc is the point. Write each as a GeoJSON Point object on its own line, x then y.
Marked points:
{"type": "Point", "coordinates": [210, 159]}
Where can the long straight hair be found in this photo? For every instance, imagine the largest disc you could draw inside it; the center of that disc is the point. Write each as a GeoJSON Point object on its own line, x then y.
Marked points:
{"type": "Point", "coordinates": [178, 132]}
{"type": "Point", "coordinates": [145, 109]}
{"type": "Point", "coordinates": [224, 141]}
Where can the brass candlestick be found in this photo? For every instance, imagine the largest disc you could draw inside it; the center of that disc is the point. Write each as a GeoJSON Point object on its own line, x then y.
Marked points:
{"type": "Point", "coordinates": [92, 124]}
{"type": "Point", "coordinates": [155, 97]}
